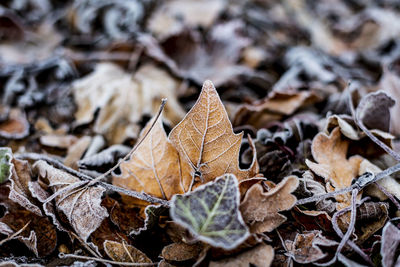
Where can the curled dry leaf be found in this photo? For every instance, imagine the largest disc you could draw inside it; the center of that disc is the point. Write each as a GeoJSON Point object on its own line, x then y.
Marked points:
{"type": "Point", "coordinates": [304, 249]}
{"type": "Point", "coordinates": [106, 157]}
{"type": "Point", "coordinates": [123, 99]}
{"type": "Point", "coordinates": [123, 252]}
{"type": "Point", "coordinates": [16, 126]}
{"type": "Point", "coordinates": [211, 213]}
{"type": "Point", "coordinates": [260, 210]}
{"type": "Point", "coordinates": [206, 140]}
{"type": "Point", "coordinates": [155, 166]}
{"type": "Point", "coordinates": [390, 243]}
{"type": "Point", "coordinates": [260, 256]}
{"type": "Point", "coordinates": [5, 164]}
{"type": "Point", "coordinates": [19, 189]}
{"type": "Point", "coordinates": [330, 152]}
{"type": "Point", "coordinates": [153, 213]}
{"type": "Point", "coordinates": [81, 206]}
{"type": "Point", "coordinates": [373, 110]}
{"type": "Point", "coordinates": [390, 82]}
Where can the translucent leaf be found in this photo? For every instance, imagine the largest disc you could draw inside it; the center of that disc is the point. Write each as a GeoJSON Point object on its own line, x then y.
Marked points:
{"type": "Point", "coordinates": [211, 213]}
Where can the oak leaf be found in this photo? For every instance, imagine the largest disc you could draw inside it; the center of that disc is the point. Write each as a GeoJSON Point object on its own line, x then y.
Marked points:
{"type": "Point", "coordinates": [260, 209]}
{"type": "Point", "coordinates": [332, 164]}
{"type": "Point", "coordinates": [155, 167]}
{"type": "Point", "coordinates": [211, 213]}
{"type": "Point", "coordinates": [206, 140]}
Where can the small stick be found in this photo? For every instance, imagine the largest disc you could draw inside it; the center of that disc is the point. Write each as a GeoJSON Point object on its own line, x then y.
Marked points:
{"type": "Point", "coordinates": [121, 263]}
{"type": "Point", "coordinates": [14, 234]}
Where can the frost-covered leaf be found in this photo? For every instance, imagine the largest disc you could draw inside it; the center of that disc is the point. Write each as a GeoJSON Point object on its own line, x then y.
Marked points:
{"type": "Point", "coordinates": [330, 152]}
{"type": "Point", "coordinates": [19, 189]}
{"type": "Point", "coordinates": [182, 253]}
{"type": "Point", "coordinates": [206, 140]}
{"type": "Point", "coordinates": [122, 100]}
{"type": "Point", "coordinates": [80, 205]}
{"type": "Point", "coordinates": [260, 256]}
{"type": "Point", "coordinates": [390, 243]}
{"type": "Point", "coordinates": [5, 163]}
{"type": "Point", "coordinates": [260, 209]}
{"type": "Point", "coordinates": [153, 212]}
{"type": "Point", "coordinates": [123, 252]}
{"type": "Point", "coordinates": [304, 249]}
{"type": "Point", "coordinates": [155, 166]}
{"type": "Point", "coordinates": [16, 126]}
{"type": "Point", "coordinates": [211, 213]}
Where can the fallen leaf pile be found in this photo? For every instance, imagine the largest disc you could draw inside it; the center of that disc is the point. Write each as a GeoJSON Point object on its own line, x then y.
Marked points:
{"type": "Point", "coordinates": [199, 133]}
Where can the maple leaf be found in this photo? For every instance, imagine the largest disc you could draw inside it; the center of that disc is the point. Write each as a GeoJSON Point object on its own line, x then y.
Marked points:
{"type": "Point", "coordinates": [205, 139]}
{"type": "Point", "coordinates": [211, 213]}
{"type": "Point", "coordinates": [332, 164]}
{"type": "Point", "coordinates": [155, 167]}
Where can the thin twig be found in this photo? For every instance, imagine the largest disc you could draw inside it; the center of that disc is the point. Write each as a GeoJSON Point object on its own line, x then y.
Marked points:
{"type": "Point", "coordinates": [357, 185]}
{"type": "Point", "coordinates": [99, 178]}
{"type": "Point", "coordinates": [14, 234]}
{"type": "Point", "coordinates": [121, 263]}
{"type": "Point", "coordinates": [360, 124]}
{"type": "Point", "coordinates": [389, 195]}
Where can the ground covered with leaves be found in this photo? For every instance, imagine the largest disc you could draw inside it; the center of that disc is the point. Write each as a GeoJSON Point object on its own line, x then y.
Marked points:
{"type": "Point", "coordinates": [199, 133]}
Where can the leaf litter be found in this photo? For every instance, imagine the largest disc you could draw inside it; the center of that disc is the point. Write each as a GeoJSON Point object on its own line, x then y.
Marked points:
{"type": "Point", "coordinates": [287, 156]}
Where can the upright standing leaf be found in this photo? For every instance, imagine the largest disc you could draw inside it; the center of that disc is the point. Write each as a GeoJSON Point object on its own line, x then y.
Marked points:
{"type": "Point", "coordinates": [5, 164]}
{"type": "Point", "coordinates": [211, 213]}
{"type": "Point", "coordinates": [206, 140]}
{"type": "Point", "coordinates": [155, 166]}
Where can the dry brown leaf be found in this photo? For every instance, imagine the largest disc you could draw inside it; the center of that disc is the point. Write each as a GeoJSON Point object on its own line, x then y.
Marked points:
{"type": "Point", "coordinates": [123, 99]}
{"type": "Point", "coordinates": [172, 16]}
{"type": "Point", "coordinates": [260, 210]}
{"type": "Point", "coordinates": [182, 252]}
{"type": "Point", "coordinates": [58, 141]}
{"type": "Point", "coordinates": [206, 140]}
{"type": "Point", "coordinates": [82, 207]}
{"type": "Point", "coordinates": [76, 151]}
{"type": "Point", "coordinates": [260, 256]}
{"type": "Point", "coordinates": [19, 189]}
{"type": "Point", "coordinates": [16, 126]}
{"type": "Point", "coordinates": [304, 249]}
{"type": "Point", "coordinates": [332, 164]}
{"type": "Point", "coordinates": [123, 252]}
{"type": "Point", "coordinates": [273, 107]}
{"type": "Point", "coordinates": [155, 167]}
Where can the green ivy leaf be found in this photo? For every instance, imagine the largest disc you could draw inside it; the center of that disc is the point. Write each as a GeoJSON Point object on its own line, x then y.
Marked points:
{"type": "Point", "coordinates": [211, 213]}
{"type": "Point", "coordinates": [5, 163]}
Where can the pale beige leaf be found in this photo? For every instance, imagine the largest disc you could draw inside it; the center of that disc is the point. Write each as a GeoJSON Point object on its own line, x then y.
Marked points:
{"type": "Point", "coordinates": [155, 167]}
{"type": "Point", "coordinates": [206, 140]}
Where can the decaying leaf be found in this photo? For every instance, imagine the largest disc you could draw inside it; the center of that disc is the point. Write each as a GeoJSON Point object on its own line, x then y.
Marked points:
{"type": "Point", "coordinates": [82, 207]}
{"type": "Point", "coordinates": [260, 256]}
{"type": "Point", "coordinates": [304, 249]}
{"type": "Point", "coordinates": [16, 126]}
{"type": "Point", "coordinates": [390, 242]}
{"type": "Point", "coordinates": [123, 252]}
{"type": "Point", "coordinates": [153, 212]}
{"type": "Point", "coordinates": [5, 164]}
{"type": "Point", "coordinates": [206, 140]}
{"type": "Point", "coordinates": [38, 234]}
{"type": "Point", "coordinates": [211, 213]}
{"type": "Point", "coordinates": [19, 189]}
{"type": "Point", "coordinates": [181, 253]}
{"type": "Point", "coordinates": [155, 167]}
{"type": "Point", "coordinates": [260, 209]}
{"type": "Point", "coordinates": [330, 152]}
{"type": "Point", "coordinates": [122, 100]}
